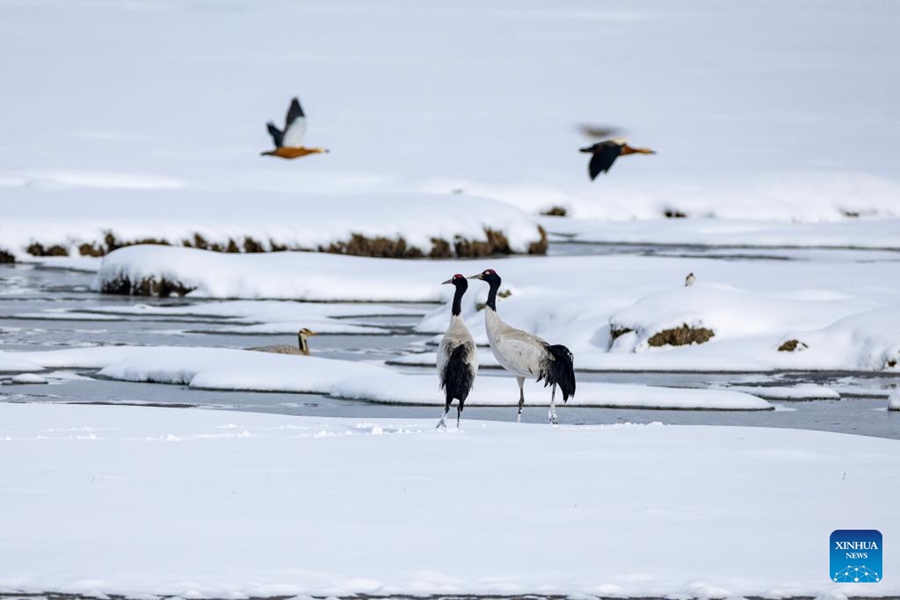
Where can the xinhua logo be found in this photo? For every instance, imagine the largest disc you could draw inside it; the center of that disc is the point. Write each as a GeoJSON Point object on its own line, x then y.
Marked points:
{"type": "Point", "coordinates": [856, 556]}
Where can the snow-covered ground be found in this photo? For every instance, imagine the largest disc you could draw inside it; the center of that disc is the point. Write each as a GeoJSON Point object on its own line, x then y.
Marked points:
{"type": "Point", "coordinates": [162, 119]}
{"type": "Point", "coordinates": [197, 504]}
{"type": "Point", "coordinates": [230, 369]}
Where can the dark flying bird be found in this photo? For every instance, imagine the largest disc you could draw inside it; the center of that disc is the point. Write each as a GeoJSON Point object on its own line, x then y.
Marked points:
{"type": "Point", "coordinates": [606, 153]}
{"type": "Point", "coordinates": [457, 362]}
{"type": "Point", "coordinates": [525, 354]}
{"type": "Point", "coordinates": [287, 142]}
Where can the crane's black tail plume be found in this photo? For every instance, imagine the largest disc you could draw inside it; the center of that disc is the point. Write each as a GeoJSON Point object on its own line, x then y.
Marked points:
{"type": "Point", "coordinates": [560, 371]}
{"type": "Point", "coordinates": [458, 378]}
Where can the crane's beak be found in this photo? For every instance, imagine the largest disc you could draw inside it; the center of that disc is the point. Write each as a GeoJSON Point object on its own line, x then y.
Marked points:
{"type": "Point", "coordinates": [448, 282]}
{"type": "Point", "coordinates": [477, 276]}
{"type": "Point", "coordinates": [589, 149]}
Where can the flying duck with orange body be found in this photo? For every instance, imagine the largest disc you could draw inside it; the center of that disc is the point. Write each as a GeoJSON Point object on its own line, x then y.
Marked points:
{"type": "Point", "coordinates": [288, 141]}
{"type": "Point", "coordinates": [605, 153]}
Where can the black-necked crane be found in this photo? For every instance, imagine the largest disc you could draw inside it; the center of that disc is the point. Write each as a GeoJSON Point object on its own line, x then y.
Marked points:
{"type": "Point", "coordinates": [525, 354]}
{"type": "Point", "coordinates": [302, 347]}
{"type": "Point", "coordinates": [457, 360]}
{"type": "Point", "coordinates": [690, 280]}
{"type": "Point", "coordinates": [605, 153]}
{"type": "Point", "coordinates": [288, 142]}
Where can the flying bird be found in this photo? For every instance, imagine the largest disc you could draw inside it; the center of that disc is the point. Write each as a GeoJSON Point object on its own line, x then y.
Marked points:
{"type": "Point", "coordinates": [605, 154]}
{"type": "Point", "coordinates": [457, 361]}
{"type": "Point", "coordinates": [302, 347]}
{"type": "Point", "coordinates": [287, 142]}
{"type": "Point", "coordinates": [525, 354]}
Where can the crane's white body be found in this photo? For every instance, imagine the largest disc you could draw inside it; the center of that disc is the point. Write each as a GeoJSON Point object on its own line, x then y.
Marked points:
{"type": "Point", "coordinates": [457, 335]}
{"type": "Point", "coordinates": [519, 352]}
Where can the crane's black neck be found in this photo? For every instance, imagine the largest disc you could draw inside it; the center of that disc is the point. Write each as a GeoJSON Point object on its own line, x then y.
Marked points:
{"type": "Point", "coordinates": [492, 294]}
{"type": "Point", "coordinates": [461, 286]}
{"type": "Point", "coordinates": [304, 346]}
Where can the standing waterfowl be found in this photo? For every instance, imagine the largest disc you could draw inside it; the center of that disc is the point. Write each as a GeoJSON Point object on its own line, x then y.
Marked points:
{"type": "Point", "coordinates": [689, 280]}
{"type": "Point", "coordinates": [606, 153]}
{"type": "Point", "coordinates": [302, 347]}
{"type": "Point", "coordinates": [525, 354]}
{"type": "Point", "coordinates": [457, 361]}
{"type": "Point", "coordinates": [287, 142]}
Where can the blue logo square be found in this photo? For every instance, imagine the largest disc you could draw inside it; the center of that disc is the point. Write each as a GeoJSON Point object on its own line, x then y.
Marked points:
{"type": "Point", "coordinates": [856, 556]}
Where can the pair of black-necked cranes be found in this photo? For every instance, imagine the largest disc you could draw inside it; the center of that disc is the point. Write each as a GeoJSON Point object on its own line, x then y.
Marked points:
{"type": "Point", "coordinates": [524, 354]}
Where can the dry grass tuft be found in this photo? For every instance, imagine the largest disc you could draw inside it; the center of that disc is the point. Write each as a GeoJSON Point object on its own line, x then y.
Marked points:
{"type": "Point", "coordinates": [6, 257]}
{"type": "Point", "coordinates": [378, 247]}
{"type": "Point", "coordinates": [555, 211]}
{"type": "Point", "coordinates": [681, 336]}
{"type": "Point", "coordinates": [148, 286]}
{"type": "Point", "coordinates": [674, 213]}
{"type": "Point", "coordinates": [617, 332]}
{"type": "Point", "coordinates": [37, 249]}
{"type": "Point", "coordinates": [792, 346]}
{"type": "Point", "coordinates": [440, 248]}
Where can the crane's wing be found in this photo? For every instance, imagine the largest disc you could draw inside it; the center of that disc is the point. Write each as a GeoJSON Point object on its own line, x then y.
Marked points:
{"type": "Point", "coordinates": [275, 133]}
{"type": "Point", "coordinates": [294, 126]}
{"type": "Point", "coordinates": [603, 159]}
{"type": "Point", "coordinates": [520, 353]}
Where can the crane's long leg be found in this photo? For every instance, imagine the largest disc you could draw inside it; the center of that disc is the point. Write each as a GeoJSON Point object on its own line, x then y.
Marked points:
{"type": "Point", "coordinates": [553, 419]}
{"type": "Point", "coordinates": [442, 424]}
{"type": "Point", "coordinates": [521, 382]}
{"type": "Point", "coordinates": [458, 414]}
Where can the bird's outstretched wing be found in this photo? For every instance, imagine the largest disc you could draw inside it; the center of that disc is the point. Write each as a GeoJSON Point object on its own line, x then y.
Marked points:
{"type": "Point", "coordinates": [275, 133]}
{"type": "Point", "coordinates": [294, 126]}
{"type": "Point", "coordinates": [599, 132]}
{"type": "Point", "coordinates": [603, 157]}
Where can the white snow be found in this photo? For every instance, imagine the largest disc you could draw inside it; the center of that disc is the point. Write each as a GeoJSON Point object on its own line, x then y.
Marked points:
{"type": "Point", "coordinates": [230, 369]}
{"type": "Point", "coordinates": [185, 503]}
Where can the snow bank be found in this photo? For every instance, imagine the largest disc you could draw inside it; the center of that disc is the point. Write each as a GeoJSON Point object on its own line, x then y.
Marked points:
{"type": "Point", "coordinates": [804, 391]}
{"type": "Point", "coordinates": [270, 221]}
{"type": "Point", "coordinates": [391, 388]}
{"type": "Point", "coordinates": [229, 505]}
{"type": "Point", "coordinates": [872, 233]}
{"type": "Point", "coordinates": [287, 275]}
{"type": "Point", "coordinates": [729, 313]}
{"type": "Point", "coordinates": [228, 369]}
